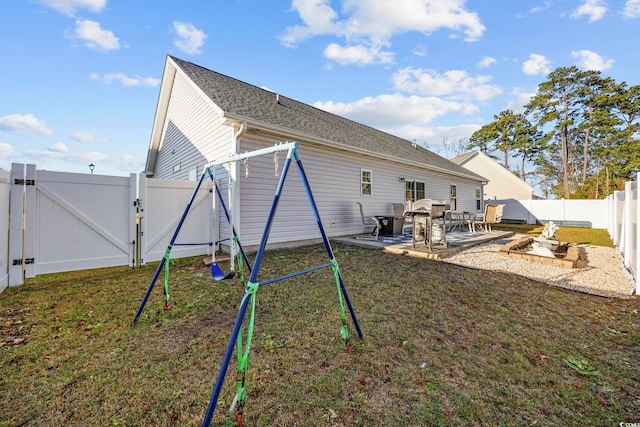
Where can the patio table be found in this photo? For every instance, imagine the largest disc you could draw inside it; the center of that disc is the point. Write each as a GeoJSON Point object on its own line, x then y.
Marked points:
{"type": "Point", "coordinates": [461, 219]}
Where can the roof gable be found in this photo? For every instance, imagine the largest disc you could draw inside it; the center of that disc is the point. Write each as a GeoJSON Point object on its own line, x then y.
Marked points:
{"type": "Point", "coordinates": [481, 163]}
{"type": "Point", "coordinates": [246, 102]}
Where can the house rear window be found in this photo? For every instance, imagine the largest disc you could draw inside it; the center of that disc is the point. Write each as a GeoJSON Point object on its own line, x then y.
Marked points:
{"type": "Point", "coordinates": [413, 190]}
{"type": "Point", "coordinates": [453, 197]}
{"type": "Point", "coordinates": [365, 182]}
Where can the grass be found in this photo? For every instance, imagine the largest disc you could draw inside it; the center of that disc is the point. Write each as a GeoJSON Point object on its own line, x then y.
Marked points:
{"type": "Point", "coordinates": [592, 236]}
{"type": "Point", "coordinates": [443, 345]}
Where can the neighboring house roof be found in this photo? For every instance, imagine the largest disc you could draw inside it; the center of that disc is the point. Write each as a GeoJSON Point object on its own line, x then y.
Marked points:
{"type": "Point", "coordinates": [463, 158]}
{"type": "Point", "coordinates": [244, 102]}
{"type": "Point", "coordinates": [501, 180]}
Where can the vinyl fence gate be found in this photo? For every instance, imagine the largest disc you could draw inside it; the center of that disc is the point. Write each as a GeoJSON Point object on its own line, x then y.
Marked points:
{"type": "Point", "coordinates": [59, 221]}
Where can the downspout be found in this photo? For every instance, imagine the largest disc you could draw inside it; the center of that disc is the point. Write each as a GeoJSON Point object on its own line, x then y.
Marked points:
{"type": "Point", "coordinates": [234, 188]}
{"type": "Point", "coordinates": [482, 185]}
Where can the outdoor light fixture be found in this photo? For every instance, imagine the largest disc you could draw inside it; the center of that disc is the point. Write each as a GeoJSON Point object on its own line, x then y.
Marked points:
{"type": "Point", "coordinates": [402, 179]}
{"type": "Point", "coordinates": [91, 167]}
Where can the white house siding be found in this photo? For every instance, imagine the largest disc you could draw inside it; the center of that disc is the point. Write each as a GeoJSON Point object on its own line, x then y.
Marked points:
{"type": "Point", "coordinates": [334, 177]}
{"type": "Point", "coordinates": [193, 133]}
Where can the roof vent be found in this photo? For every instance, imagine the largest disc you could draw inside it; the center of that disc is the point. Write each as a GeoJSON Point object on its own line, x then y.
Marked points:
{"type": "Point", "coordinates": [277, 98]}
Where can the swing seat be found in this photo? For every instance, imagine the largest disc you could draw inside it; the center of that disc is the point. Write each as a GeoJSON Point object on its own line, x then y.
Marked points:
{"type": "Point", "coordinates": [218, 274]}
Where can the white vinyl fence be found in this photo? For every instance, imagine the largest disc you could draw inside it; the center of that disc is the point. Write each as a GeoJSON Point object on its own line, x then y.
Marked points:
{"type": "Point", "coordinates": [5, 187]}
{"type": "Point", "coordinates": [623, 226]}
{"type": "Point", "coordinates": [58, 221]}
{"type": "Point", "coordinates": [585, 213]}
{"type": "Point", "coordinates": [163, 202]}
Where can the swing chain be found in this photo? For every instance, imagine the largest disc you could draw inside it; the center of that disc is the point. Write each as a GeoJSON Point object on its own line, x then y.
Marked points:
{"type": "Point", "coordinates": [246, 167]}
{"type": "Point", "coordinates": [276, 161]}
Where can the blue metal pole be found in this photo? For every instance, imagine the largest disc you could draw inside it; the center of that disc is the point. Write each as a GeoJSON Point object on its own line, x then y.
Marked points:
{"type": "Point", "coordinates": [243, 306]}
{"type": "Point", "coordinates": [171, 242]}
{"type": "Point", "coordinates": [297, 273]}
{"type": "Point", "coordinates": [225, 361]}
{"type": "Point", "coordinates": [327, 245]}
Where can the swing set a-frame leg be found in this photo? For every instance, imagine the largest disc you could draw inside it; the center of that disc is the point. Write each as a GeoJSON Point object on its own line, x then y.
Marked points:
{"type": "Point", "coordinates": [326, 242]}
{"type": "Point", "coordinates": [225, 360]}
{"type": "Point", "coordinates": [165, 259]}
{"type": "Point", "coordinates": [253, 285]}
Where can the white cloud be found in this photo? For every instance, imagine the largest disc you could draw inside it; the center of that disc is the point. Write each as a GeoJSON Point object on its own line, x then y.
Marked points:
{"type": "Point", "coordinates": [94, 36]}
{"type": "Point", "coordinates": [388, 112]}
{"type": "Point", "coordinates": [454, 83]}
{"type": "Point", "coordinates": [360, 54]}
{"type": "Point", "coordinates": [594, 9]}
{"type": "Point", "coordinates": [631, 9]}
{"type": "Point", "coordinates": [58, 153]}
{"type": "Point", "coordinates": [588, 60]}
{"type": "Point", "coordinates": [318, 17]}
{"type": "Point", "coordinates": [536, 65]}
{"type": "Point", "coordinates": [24, 123]}
{"type": "Point", "coordinates": [79, 161]}
{"type": "Point", "coordinates": [371, 23]}
{"type": "Point", "coordinates": [546, 5]}
{"type": "Point", "coordinates": [7, 152]}
{"type": "Point", "coordinates": [434, 137]}
{"type": "Point", "coordinates": [84, 136]}
{"type": "Point", "coordinates": [58, 147]}
{"type": "Point", "coordinates": [420, 50]}
{"type": "Point", "coordinates": [69, 7]}
{"type": "Point", "coordinates": [189, 38]}
{"type": "Point", "coordinates": [486, 62]}
{"type": "Point", "coordinates": [520, 98]}
{"type": "Point", "coordinates": [125, 80]}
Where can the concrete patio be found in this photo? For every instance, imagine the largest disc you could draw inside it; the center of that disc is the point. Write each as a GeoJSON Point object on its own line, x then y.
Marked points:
{"type": "Point", "coordinates": [457, 240]}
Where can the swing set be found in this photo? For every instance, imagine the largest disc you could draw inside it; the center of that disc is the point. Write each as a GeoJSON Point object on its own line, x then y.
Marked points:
{"type": "Point", "coordinates": [248, 302]}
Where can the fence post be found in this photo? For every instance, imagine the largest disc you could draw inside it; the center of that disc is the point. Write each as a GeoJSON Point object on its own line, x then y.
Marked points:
{"type": "Point", "coordinates": [16, 218]}
{"type": "Point", "coordinates": [616, 230]}
{"type": "Point", "coordinates": [627, 223]}
{"type": "Point", "coordinates": [142, 200]}
{"type": "Point", "coordinates": [30, 247]}
{"type": "Point", "coordinates": [5, 190]}
{"type": "Point", "coordinates": [636, 236]}
{"type": "Point", "coordinates": [133, 194]}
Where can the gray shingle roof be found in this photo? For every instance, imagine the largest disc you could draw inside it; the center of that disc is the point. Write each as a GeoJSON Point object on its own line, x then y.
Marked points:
{"type": "Point", "coordinates": [253, 104]}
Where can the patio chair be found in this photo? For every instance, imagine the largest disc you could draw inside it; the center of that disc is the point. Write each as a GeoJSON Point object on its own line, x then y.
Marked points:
{"type": "Point", "coordinates": [492, 215]}
{"type": "Point", "coordinates": [369, 221]}
{"type": "Point", "coordinates": [400, 221]}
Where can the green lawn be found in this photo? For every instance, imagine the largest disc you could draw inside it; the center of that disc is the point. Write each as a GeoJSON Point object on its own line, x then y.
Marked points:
{"type": "Point", "coordinates": [443, 345]}
{"type": "Point", "coordinates": [592, 236]}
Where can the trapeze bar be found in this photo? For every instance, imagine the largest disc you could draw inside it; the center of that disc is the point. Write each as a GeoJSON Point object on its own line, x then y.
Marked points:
{"type": "Point", "coordinates": [298, 273]}
{"type": "Point", "coordinates": [241, 156]}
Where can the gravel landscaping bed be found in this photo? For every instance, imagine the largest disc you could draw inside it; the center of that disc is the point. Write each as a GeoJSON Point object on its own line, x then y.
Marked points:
{"type": "Point", "coordinates": [603, 274]}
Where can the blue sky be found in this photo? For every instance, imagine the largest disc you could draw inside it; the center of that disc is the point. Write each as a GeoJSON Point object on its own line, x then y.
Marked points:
{"type": "Point", "coordinates": [79, 79]}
